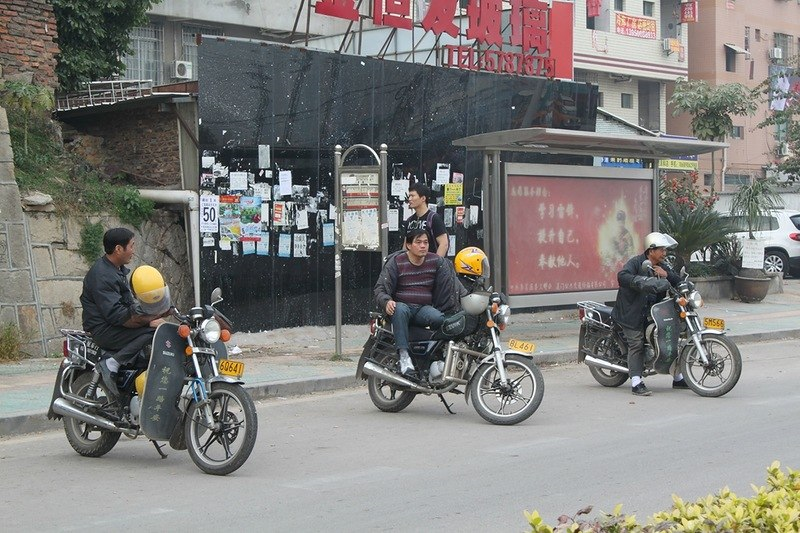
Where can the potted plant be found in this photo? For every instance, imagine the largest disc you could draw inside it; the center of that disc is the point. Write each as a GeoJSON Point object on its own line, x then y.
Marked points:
{"type": "Point", "coordinates": [753, 203]}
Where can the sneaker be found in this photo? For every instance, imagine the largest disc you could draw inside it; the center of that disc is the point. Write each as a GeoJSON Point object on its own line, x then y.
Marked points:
{"type": "Point", "coordinates": [109, 378]}
{"type": "Point", "coordinates": [680, 384]}
{"type": "Point", "coordinates": [641, 390]}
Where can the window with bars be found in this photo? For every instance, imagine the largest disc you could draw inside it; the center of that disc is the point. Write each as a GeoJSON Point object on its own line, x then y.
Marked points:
{"type": "Point", "coordinates": [784, 42]}
{"type": "Point", "coordinates": [147, 59]}
{"type": "Point", "coordinates": [189, 43]}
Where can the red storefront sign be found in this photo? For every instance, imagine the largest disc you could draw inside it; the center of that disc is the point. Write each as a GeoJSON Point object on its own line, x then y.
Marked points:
{"type": "Point", "coordinates": [534, 25]}
{"type": "Point", "coordinates": [643, 28]}
{"type": "Point", "coordinates": [593, 8]}
{"type": "Point", "coordinates": [689, 12]}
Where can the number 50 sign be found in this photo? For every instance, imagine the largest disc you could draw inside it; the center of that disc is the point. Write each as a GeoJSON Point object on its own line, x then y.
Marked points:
{"type": "Point", "coordinates": [209, 213]}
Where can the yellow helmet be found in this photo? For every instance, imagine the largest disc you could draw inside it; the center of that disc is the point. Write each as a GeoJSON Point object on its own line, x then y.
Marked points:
{"type": "Point", "coordinates": [148, 284]}
{"type": "Point", "coordinates": [472, 262]}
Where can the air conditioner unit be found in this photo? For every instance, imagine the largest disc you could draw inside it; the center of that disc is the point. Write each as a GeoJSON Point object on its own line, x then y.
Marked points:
{"type": "Point", "coordinates": [776, 53]}
{"type": "Point", "coordinates": [784, 150]}
{"type": "Point", "coordinates": [666, 45]}
{"type": "Point", "coordinates": [183, 70]}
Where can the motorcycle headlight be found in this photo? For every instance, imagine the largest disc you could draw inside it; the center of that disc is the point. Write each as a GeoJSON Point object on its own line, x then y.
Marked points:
{"type": "Point", "coordinates": [695, 300]}
{"type": "Point", "coordinates": [504, 315]}
{"type": "Point", "coordinates": [210, 330]}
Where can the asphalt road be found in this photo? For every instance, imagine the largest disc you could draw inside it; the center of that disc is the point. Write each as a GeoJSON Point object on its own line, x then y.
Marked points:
{"type": "Point", "coordinates": [333, 462]}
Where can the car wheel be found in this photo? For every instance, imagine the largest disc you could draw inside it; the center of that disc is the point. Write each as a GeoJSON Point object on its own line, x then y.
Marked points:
{"type": "Point", "coordinates": [775, 261]}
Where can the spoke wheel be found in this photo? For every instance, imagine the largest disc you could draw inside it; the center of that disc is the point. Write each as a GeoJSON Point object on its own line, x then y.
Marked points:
{"type": "Point", "coordinates": [721, 373]}
{"type": "Point", "coordinates": [87, 439]}
{"type": "Point", "coordinates": [224, 446]}
{"type": "Point", "coordinates": [510, 403]}
{"type": "Point", "coordinates": [385, 395]}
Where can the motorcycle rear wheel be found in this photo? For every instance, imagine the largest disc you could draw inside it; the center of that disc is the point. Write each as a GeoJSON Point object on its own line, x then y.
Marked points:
{"type": "Point", "coordinates": [386, 396]}
{"type": "Point", "coordinates": [224, 448]}
{"type": "Point", "coordinates": [606, 348]}
{"type": "Point", "coordinates": [86, 439]}
{"type": "Point", "coordinates": [722, 372]}
{"type": "Point", "coordinates": [518, 402]}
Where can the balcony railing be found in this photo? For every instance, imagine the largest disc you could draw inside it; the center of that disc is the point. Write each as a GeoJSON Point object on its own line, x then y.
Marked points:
{"type": "Point", "coordinates": [105, 93]}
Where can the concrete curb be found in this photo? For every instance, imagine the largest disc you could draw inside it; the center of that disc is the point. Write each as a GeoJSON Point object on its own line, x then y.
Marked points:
{"type": "Point", "coordinates": [37, 421]}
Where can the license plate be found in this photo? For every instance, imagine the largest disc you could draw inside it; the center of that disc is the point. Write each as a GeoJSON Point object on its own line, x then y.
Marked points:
{"type": "Point", "coordinates": [521, 346]}
{"type": "Point", "coordinates": [714, 323]}
{"type": "Point", "coordinates": [231, 368]}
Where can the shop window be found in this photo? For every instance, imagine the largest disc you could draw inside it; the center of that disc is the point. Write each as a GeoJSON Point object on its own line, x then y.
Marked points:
{"type": "Point", "coordinates": [648, 8]}
{"type": "Point", "coordinates": [737, 180]}
{"type": "Point", "coordinates": [626, 101]}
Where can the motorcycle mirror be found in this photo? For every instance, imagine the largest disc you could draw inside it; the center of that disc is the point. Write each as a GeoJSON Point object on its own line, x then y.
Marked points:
{"type": "Point", "coordinates": [216, 296]}
{"type": "Point", "coordinates": [646, 268]}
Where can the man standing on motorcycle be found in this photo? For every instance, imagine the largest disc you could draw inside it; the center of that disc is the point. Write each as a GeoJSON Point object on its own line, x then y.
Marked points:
{"type": "Point", "coordinates": [415, 287]}
{"type": "Point", "coordinates": [110, 312]}
{"type": "Point", "coordinates": [637, 293]}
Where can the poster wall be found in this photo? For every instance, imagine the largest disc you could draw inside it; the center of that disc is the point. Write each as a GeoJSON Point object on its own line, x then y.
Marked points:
{"type": "Point", "coordinates": [573, 234]}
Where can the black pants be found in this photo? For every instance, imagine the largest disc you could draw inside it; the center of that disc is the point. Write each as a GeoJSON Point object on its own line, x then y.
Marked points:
{"type": "Point", "coordinates": [126, 342]}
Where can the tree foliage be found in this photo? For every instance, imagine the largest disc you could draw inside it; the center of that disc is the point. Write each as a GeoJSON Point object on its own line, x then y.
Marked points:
{"type": "Point", "coordinates": [712, 107]}
{"type": "Point", "coordinates": [93, 35]}
{"type": "Point", "coordinates": [785, 118]}
{"type": "Point", "coordinates": [28, 99]}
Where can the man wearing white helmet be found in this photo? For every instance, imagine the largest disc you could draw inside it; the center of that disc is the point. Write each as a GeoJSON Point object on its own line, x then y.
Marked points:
{"type": "Point", "coordinates": [634, 299]}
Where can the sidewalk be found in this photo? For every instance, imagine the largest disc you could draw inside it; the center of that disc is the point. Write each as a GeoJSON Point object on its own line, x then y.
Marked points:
{"type": "Point", "coordinates": [294, 361]}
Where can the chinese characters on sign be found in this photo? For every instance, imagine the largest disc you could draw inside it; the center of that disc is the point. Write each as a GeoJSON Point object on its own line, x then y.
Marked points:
{"type": "Point", "coordinates": [563, 241]}
{"type": "Point", "coordinates": [689, 12]}
{"type": "Point", "coordinates": [643, 28]}
{"type": "Point", "coordinates": [531, 23]}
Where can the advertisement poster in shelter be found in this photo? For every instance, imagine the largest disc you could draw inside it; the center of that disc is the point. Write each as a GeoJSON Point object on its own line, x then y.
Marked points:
{"type": "Point", "coordinates": [570, 234]}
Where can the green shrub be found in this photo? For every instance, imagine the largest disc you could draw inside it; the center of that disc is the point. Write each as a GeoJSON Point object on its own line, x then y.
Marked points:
{"type": "Point", "coordinates": [91, 242]}
{"type": "Point", "coordinates": [10, 342]}
{"type": "Point", "coordinates": [774, 507]}
{"type": "Point", "coordinates": [131, 207]}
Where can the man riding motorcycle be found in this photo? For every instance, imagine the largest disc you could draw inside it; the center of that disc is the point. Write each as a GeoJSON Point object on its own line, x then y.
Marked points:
{"type": "Point", "coordinates": [116, 321]}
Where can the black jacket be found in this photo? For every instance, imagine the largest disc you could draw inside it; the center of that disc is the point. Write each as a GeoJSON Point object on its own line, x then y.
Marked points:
{"type": "Point", "coordinates": [637, 293]}
{"type": "Point", "coordinates": [106, 298]}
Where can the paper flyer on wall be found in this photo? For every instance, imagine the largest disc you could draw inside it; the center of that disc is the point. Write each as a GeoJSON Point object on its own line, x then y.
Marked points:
{"type": "Point", "coordinates": [394, 222]}
{"type": "Point", "coordinates": [263, 156]}
{"type": "Point", "coordinates": [285, 245]}
{"type": "Point", "coordinates": [451, 250]}
{"type": "Point", "coordinates": [300, 241]}
{"type": "Point", "coordinates": [250, 215]}
{"type": "Point", "coordinates": [248, 247]}
{"type": "Point", "coordinates": [443, 173]}
{"type": "Point", "coordinates": [285, 182]}
{"type": "Point", "coordinates": [400, 188]}
{"type": "Point", "coordinates": [301, 219]}
{"type": "Point", "coordinates": [229, 220]}
{"type": "Point", "coordinates": [209, 213]}
{"type": "Point", "coordinates": [238, 181]}
{"type": "Point", "coordinates": [262, 246]}
{"type": "Point", "coordinates": [264, 190]}
{"type": "Point", "coordinates": [453, 193]}
{"type": "Point", "coordinates": [327, 234]}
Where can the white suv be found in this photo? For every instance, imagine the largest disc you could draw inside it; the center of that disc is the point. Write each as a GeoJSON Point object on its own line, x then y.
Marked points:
{"type": "Point", "coordinates": [781, 239]}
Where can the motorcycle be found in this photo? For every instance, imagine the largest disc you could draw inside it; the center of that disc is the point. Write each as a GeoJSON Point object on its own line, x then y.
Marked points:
{"type": "Point", "coordinates": [675, 338]}
{"type": "Point", "coordinates": [505, 386]}
{"type": "Point", "coordinates": [186, 392]}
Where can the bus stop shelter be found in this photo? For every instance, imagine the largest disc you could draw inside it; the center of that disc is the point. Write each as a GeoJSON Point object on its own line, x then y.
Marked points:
{"type": "Point", "coordinates": [557, 234]}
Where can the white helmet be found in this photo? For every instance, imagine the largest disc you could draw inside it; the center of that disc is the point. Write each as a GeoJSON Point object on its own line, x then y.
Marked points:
{"type": "Point", "coordinates": [659, 240]}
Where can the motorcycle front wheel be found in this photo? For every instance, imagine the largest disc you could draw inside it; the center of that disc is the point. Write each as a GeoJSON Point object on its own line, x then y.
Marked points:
{"type": "Point", "coordinates": [514, 402]}
{"type": "Point", "coordinates": [87, 439]}
{"type": "Point", "coordinates": [224, 446]}
{"type": "Point", "coordinates": [721, 373]}
{"type": "Point", "coordinates": [385, 395]}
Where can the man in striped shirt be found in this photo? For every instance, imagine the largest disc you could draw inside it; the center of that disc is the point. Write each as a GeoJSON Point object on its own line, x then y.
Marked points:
{"type": "Point", "coordinates": [414, 288]}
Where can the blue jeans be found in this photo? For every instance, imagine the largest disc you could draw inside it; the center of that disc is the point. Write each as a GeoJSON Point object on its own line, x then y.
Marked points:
{"type": "Point", "coordinates": [413, 315]}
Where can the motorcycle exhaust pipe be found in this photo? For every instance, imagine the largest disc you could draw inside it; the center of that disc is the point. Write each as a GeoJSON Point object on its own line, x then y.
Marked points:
{"type": "Point", "coordinates": [64, 408]}
{"type": "Point", "coordinates": [599, 363]}
{"type": "Point", "coordinates": [371, 369]}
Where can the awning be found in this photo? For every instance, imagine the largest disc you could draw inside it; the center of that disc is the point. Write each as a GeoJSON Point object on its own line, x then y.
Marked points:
{"type": "Point", "coordinates": [736, 49]}
{"type": "Point", "coordinates": [557, 141]}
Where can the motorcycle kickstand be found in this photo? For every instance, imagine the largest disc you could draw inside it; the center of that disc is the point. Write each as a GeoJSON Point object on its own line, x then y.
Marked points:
{"type": "Point", "coordinates": [446, 405]}
{"type": "Point", "coordinates": [158, 449]}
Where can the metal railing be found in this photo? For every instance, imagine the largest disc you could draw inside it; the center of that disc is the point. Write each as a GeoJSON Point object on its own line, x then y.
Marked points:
{"type": "Point", "coordinates": [105, 93]}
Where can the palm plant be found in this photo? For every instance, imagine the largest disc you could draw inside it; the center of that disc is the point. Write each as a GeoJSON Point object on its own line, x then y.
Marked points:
{"type": "Point", "coordinates": [754, 201]}
{"type": "Point", "coordinates": [694, 229]}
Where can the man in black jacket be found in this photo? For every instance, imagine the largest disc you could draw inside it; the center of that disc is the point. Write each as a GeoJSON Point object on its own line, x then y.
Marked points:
{"type": "Point", "coordinates": [415, 287]}
{"type": "Point", "coordinates": [635, 297]}
{"type": "Point", "coordinates": [110, 312]}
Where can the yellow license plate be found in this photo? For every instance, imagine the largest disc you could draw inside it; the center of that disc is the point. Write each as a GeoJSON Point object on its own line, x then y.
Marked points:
{"type": "Point", "coordinates": [521, 346]}
{"type": "Point", "coordinates": [714, 323]}
{"type": "Point", "coordinates": [231, 368]}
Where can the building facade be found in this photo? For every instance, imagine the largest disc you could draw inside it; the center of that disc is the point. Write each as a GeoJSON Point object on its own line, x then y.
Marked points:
{"type": "Point", "coordinates": [744, 42]}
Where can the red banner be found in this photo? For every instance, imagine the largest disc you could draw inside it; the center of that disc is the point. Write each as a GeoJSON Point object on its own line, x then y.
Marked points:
{"type": "Point", "coordinates": [642, 28]}
{"type": "Point", "coordinates": [689, 12]}
{"type": "Point", "coordinates": [561, 238]}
